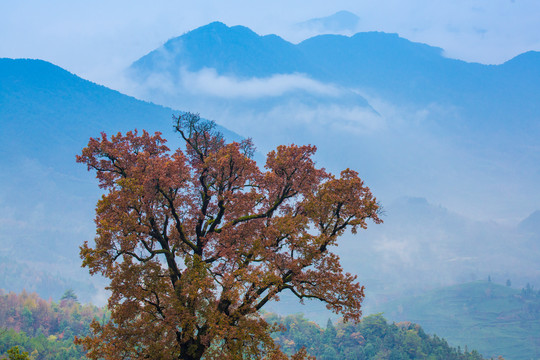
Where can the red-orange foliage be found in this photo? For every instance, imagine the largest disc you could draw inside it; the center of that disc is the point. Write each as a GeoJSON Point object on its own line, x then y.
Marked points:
{"type": "Point", "coordinates": [197, 241]}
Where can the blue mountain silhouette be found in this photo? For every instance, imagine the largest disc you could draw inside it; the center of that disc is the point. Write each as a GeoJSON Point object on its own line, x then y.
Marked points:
{"type": "Point", "coordinates": [489, 97]}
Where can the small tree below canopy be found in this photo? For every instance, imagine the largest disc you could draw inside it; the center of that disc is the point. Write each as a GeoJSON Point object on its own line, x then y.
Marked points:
{"type": "Point", "coordinates": [197, 241]}
{"type": "Point", "coordinates": [69, 295]}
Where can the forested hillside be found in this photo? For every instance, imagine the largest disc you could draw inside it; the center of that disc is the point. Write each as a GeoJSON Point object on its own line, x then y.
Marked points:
{"type": "Point", "coordinates": [46, 330]}
{"type": "Point", "coordinates": [372, 338]}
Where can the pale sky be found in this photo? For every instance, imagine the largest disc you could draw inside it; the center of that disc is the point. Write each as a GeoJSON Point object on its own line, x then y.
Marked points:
{"type": "Point", "coordinates": [97, 39]}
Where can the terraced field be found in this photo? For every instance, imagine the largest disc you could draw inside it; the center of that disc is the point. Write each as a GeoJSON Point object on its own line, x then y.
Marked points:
{"type": "Point", "coordinates": [494, 319]}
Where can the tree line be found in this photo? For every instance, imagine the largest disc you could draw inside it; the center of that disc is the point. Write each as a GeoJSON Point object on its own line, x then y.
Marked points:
{"type": "Point", "coordinates": [46, 329]}
{"type": "Point", "coordinates": [371, 338]}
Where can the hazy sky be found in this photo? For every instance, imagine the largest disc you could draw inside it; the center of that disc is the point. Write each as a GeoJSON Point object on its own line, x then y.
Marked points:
{"type": "Point", "coordinates": [95, 39]}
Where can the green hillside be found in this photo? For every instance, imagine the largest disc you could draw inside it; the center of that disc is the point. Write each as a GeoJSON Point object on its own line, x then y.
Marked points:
{"type": "Point", "coordinates": [492, 318]}
{"type": "Point", "coordinates": [372, 338]}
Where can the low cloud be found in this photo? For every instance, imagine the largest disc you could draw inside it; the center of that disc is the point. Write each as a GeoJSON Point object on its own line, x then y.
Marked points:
{"type": "Point", "coordinates": [403, 250]}
{"type": "Point", "coordinates": [254, 105]}
{"type": "Point", "coordinates": [209, 82]}
{"type": "Point", "coordinates": [338, 117]}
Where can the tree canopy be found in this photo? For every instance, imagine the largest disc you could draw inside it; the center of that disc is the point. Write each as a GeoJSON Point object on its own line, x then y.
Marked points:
{"type": "Point", "coordinates": [196, 241]}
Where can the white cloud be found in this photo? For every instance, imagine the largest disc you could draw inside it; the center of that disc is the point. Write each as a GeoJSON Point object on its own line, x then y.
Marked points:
{"type": "Point", "coordinates": [403, 250]}
{"type": "Point", "coordinates": [209, 83]}
{"type": "Point", "coordinates": [339, 117]}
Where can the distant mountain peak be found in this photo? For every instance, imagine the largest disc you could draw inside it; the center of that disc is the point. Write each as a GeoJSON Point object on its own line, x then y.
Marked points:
{"type": "Point", "coordinates": [234, 50]}
{"type": "Point", "coordinates": [531, 223]}
{"type": "Point", "coordinates": [219, 27]}
{"type": "Point", "coordinates": [529, 56]}
{"type": "Point", "coordinates": [342, 21]}
{"type": "Point", "coordinates": [212, 30]}
{"type": "Point", "coordinates": [214, 24]}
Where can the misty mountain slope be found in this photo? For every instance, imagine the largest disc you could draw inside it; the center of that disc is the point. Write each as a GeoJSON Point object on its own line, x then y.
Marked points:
{"type": "Point", "coordinates": [392, 66]}
{"type": "Point", "coordinates": [519, 88]}
{"type": "Point", "coordinates": [421, 245]}
{"type": "Point", "coordinates": [47, 116]}
{"type": "Point", "coordinates": [42, 104]}
{"type": "Point", "coordinates": [47, 111]}
{"type": "Point", "coordinates": [494, 319]}
{"type": "Point", "coordinates": [531, 224]}
{"type": "Point", "coordinates": [488, 97]}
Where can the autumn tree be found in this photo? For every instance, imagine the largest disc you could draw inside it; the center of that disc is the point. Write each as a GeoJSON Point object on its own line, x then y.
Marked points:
{"type": "Point", "coordinates": [196, 241]}
{"type": "Point", "coordinates": [15, 354]}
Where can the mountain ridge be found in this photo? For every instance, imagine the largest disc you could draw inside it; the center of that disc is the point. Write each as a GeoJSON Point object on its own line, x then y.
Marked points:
{"type": "Point", "coordinates": [51, 88]}
{"type": "Point", "coordinates": [381, 64]}
{"type": "Point", "coordinates": [358, 60]}
{"type": "Point", "coordinates": [217, 33]}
